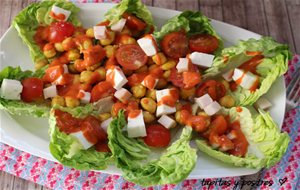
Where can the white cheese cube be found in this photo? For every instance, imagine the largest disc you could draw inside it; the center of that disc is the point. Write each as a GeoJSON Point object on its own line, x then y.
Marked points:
{"type": "Point", "coordinates": [262, 103]}
{"type": "Point", "coordinates": [162, 93]}
{"type": "Point", "coordinates": [148, 45]}
{"type": "Point", "coordinates": [182, 65]}
{"type": "Point", "coordinates": [100, 32]}
{"type": "Point", "coordinates": [57, 11]}
{"type": "Point", "coordinates": [202, 59]}
{"type": "Point", "coordinates": [203, 101]}
{"type": "Point", "coordinates": [195, 107]}
{"type": "Point", "coordinates": [212, 108]}
{"type": "Point", "coordinates": [237, 74]}
{"type": "Point", "coordinates": [136, 125]}
{"type": "Point", "coordinates": [81, 138]}
{"type": "Point", "coordinates": [228, 75]}
{"type": "Point", "coordinates": [106, 123]}
{"type": "Point", "coordinates": [150, 82]}
{"type": "Point", "coordinates": [118, 26]}
{"type": "Point", "coordinates": [167, 122]}
{"type": "Point", "coordinates": [11, 89]}
{"type": "Point", "coordinates": [164, 109]}
{"type": "Point", "coordinates": [246, 80]}
{"type": "Point", "coordinates": [50, 92]}
{"type": "Point", "coordinates": [119, 79]}
{"type": "Point", "coordinates": [85, 97]}
{"type": "Point", "coordinates": [122, 94]}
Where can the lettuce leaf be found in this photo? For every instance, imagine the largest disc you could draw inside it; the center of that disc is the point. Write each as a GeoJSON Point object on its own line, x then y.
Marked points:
{"type": "Point", "coordinates": [273, 65]}
{"type": "Point", "coordinates": [135, 7]}
{"type": "Point", "coordinates": [174, 165]}
{"type": "Point", "coordinates": [36, 14]}
{"type": "Point", "coordinates": [266, 143]}
{"type": "Point", "coordinates": [69, 151]}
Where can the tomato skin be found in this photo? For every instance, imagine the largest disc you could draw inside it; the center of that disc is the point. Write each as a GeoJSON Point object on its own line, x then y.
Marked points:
{"type": "Point", "coordinates": [32, 89]}
{"type": "Point", "coordinates": [133, 22]}
{"type": "Point", "coordinates": [101, 90]}
{"type": "Point", "coordinates": [175, 45]}
{"type": "Point", "coordinates": [131, 56]}
{"type": "Point", "coordinates": [215, 89]}
{"type": "Point", "coordinates": [157, 136]}
{"type": "Point", "coordinates": [204, 43]}
{"type": "Point", "coordinates": [58, 31]}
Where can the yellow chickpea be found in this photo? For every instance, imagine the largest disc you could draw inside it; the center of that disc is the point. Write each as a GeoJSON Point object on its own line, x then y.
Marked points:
{"type": "Point", "coordinates": [58, 100]}
{"type": "Point", "coordinates": [178, 117]}
{"type": "Point", "coordinates": [102, 72]}
{"type": "Point", "coordinates": [68, 44]}
{"type": "Point", "coordinates": [76, 79]}
{"type": "Point", "coordinates": [110, 50]}
{"type": "Point", "coordinates": [168, 65]}
{"type": "Point", "coordinates": [138, 91]}
{"type": "Point", "coordinates": [148, 117]}
{"type": "Point", "coordinates": [226, 84]}
{"type": "Point", "coordinates": [151, 94]}
{"type": "Point", "coordinates": [227, 101]}
{"type": "Point", "coordinates": [90, 32]}
{"type": "Point", "coordinates": [151, 67]}
{"type": "Point", "coordinates": [72, 69]}
{"type": "Point", "coordinates": [162, 83]}
{"type": "Point", "coordinates": [187, 93]}
{"type": "Point", "coordinates": [110, 38]}
{"type": "Point", "coordinates": [59, 47]}
{"type": "Point", "coordinates": [202, 113]}
{"type": "Point", "coordinates": [85, 76]}
{"type": "Point", "coordinates": [87, 43]}
{"type": "Point", "coordinates": [167, 74]}
{"type": "Point", "coordinates": [142, 69]}
{"type": "Point", "coordinates": [72, 102]}
{"type": "Point", "coordinates": [159, 58]}
{"type": "Point", "coordinates": [104, 116]}
{"type": "Point", "coordinates": [127, 40]}
{"type": "Point", "coordinates": [148, 104]}
{"type": "Point", "coordinates": [40, 63]}
{"type": "Point", "coordinates": [73, 54]}
{"type": "Point", "coordinates": [93, 67]}
{"type": "Point", "coordinates": [49, 50]}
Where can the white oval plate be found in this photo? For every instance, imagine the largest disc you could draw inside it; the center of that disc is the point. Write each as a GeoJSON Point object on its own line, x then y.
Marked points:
{"type": "Point", "coordinates": [31, 135]}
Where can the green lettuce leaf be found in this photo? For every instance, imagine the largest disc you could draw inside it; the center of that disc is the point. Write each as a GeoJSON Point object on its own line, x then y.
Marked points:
{"type": "Point", "coordinates": [135, 7]}
{"type": "Point", "coordinates": [174, 165]}
{"type": "Point", "coordinates": [191, 22]}
{"type": "Point", "coordinates": [266, 143]}
{"type": "Point", "coordinates": [36, 14]}
{"type": "Point", "coordinates": [273, 65]}
{"type": "Point", "coordinates": [69, 151]}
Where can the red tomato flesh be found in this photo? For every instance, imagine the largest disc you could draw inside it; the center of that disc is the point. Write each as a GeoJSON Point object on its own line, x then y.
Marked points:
{"type": "Point", "coordinates": [215, 89]}
{"type": "Point", "coordinates": [157, 136]}
{"type": "Point", "coordinates": [204, 43]}
{"type": "Point", "coordinates": [60, 30]}
{"type": "Point", "coordinates": [32, 89]}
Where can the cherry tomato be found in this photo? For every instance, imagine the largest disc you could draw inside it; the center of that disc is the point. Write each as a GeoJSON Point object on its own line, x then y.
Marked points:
{"type": "Point", "coordinates": [175, 45]}
{"type": "Point", "coordinates": [32, 89]}
{"type": "Point", "coordinates": [157, 136]}
{"type": "Point", "coordinates": [102, 147]}
{"type": "Point", "coordinates": [134, 23]}
{"type": "Point", "coordinates": [90, 127]}
{"type": "Point", "coordinates": [131, 56]}
{"type": "Point", "coordinates": [60, 30]}
{"type": "Point", "coordinates": [203, 43]}
{"type": "Point", "coordinates": [66, 122]}
{"type": "Point", "coordinates": [101, 90]}
{"type": "Point", "coordinates": [177, 79]}
{"type": "Point", "coordinates": [215, 89]}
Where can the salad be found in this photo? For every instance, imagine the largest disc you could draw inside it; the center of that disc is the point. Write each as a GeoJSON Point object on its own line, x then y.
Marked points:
{"type": "Point", "coordinates": [124, 92]}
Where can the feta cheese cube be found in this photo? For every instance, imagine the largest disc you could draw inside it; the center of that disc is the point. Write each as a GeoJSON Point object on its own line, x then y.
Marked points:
{"type": "Point", "coordinates": [162, 93]}
{"type": "Point", "coordinates": [136, 125]}
{"type": "Point", "coordinates": [118, 26]}
{"type": "Point", "coordinates": [81, 138]}
{"type": "Point", "coordinates": [59, 13]}
{"type": "Point", "coordinates": [116, 77]}
{"type": "Point", "coordinates": [203, 101]}
{"type": "Point", "coordinates": [182, 65]}
{"type": "Point", "coordinates": [106, 123]}
{"type": "Point", "coordinates": [228, 75]}
{"type": "Point", "coordinates": [201, 59]}
{"type": "Point", "coordinates": [167, 122]}
{"type": "Point", "coordinates": [148, 45]}
{"type": "Point", "coordinates": [246, 80]}
{"type": "Point", "coordinates": [122, 94]}
{"type": "Point", "coordinates": [212, 108]}
{"type": "Point", "coordinates": [262, 103]}
{"type": "Point", "coordinates": [150, 81]}
{"type": "Point", "coordinates": [50, 92]}
{"type": "Point", "coordinates": [100, 32]}
{"type": "Point", "coordinates": [164, 109]}
{"type": "Point", "coordinates": [11, 89]}
{"type": "Point", "coordinates": [84, 97]}
{"type": "Point", "coordinates": [237, 74]}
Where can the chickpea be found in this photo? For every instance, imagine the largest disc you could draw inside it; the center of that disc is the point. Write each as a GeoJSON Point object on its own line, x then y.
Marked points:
{"type": "Point", "coordinates": [87, 43]}
{"type": "Point", "coordinates": [110, 50]}
{"type": "Point", "coordinates": [104, 116]}
{"type": "Point", "coordinates": [187, 93]}
{"type": "Point", "coordinates": [159, 58]}
{"type": "Point", "coordinates": [102, 72]}
{"type": "Point", "coordinates": [125, 39]}
{"type": "Point", "coordinates": [162, 83]}
{"type": "Point", "coordinates": [40, 63]}
{"type": "Point", "coordinates": [76, 79]}
{"type": "Point", "coordinates": [73, 54]}
{"type": "Point", "coordinates": [178, 117]}
{"type": "Point", "coordinates": [168, 65]}
{"type": "Point", "coordinates": [93, 67]}
{"type": "Point", "coordinates": [59, 47]}
{"type": "Point", "coordinates": [72, 102]}
{"type": "Point", "coordinates": [227, 101]}
{"type": "Point", "coordinates": [167, 74]}
{"type": "Point", "coordinates": [68, 44]}
{"type": "Point", "coordinates": [49, 50]}
{"type": "Point", "coordinates": [72, 69]}
{"type": "Point", "coordinates": [90, 32]}
{"type": "Point", "coordinates": [202, 113]}
{"type": "Point", "coordinates": [148, 117]}
{"type": "Point", "coordinates": [85, 76]}
{"type": "Point", "coordinates": [142, 69]}
{"type": "Point", "coordinates": [148, 104]}
{"type": "Point", "coordinates": [151, 94]}
{"type": "Point", "coordinates": [109, 39]}
{"type": "Point", "coordinates": [226, 84]}
{"type": "Point", "coordinates": [58, 100]}
{"type": "Point", "coordinates": [138, 91]}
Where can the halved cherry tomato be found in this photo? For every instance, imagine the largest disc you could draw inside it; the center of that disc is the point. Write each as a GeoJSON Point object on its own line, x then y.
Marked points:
{"type": "Point", "coordinates": [32, 89]}
{"type": "Point", "coordinates": [91, 130]}
{"type": "Point", "coordinates": [203, 43]}
{"type": "Point", "coordinates": [177, 78]}
{"type": "Point", "coordinates": [60, 30]}
{"type": "Point", "coordinates": [214, 88]}
{"type": "Point", "coordinates": [133, 22]}
{"type": "Point", "coordinates": [101, 90]}
{"type": "Point", "coordinates": [157, 136]}
{"type": "Point", "coordinates": [131, 56]}
{"type": "Point", "coordinates": [175, 45]}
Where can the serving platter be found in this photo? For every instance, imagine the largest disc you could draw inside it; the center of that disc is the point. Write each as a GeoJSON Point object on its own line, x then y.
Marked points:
{"type": "Point", "coordinates": [31, 134]}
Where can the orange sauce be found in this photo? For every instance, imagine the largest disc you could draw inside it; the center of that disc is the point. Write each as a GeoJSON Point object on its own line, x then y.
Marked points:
{"type": "Point", "coordinates": [240, 142]}
{"type": "Point", "coordinates": [71, 90]}
{"type": "Point", "coordinates": [239, 109]}
{"type": "Point", "coordinates": [254, 86]}
{"type": "Point", "coordinates": [197, 122]}
{"type": "Point", "coordinates": [170, 99]}
{"type": "Point", "coordinates": [253, 53]}
{"type": "Point", "coordinates": [191, 78]}
{"type": "Point", "coordinates": [150, 81]}
{"type": "Point", "coordinates": [60, 17]}
{"type": "Point", "coordinates": [251, 64]}
{"type": "Point", "coordinates": [136, 78]}
{"type": "Point", "coordinates": [53, 73]}
{"type": "Point", "coordinates": [134, 113]}
{"type": "Point", "coordinates": [93, 55]}
{"type": "Point", "coordinates": [110, 76]}
{"type": "Point", "coordinates": [239, 80]}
